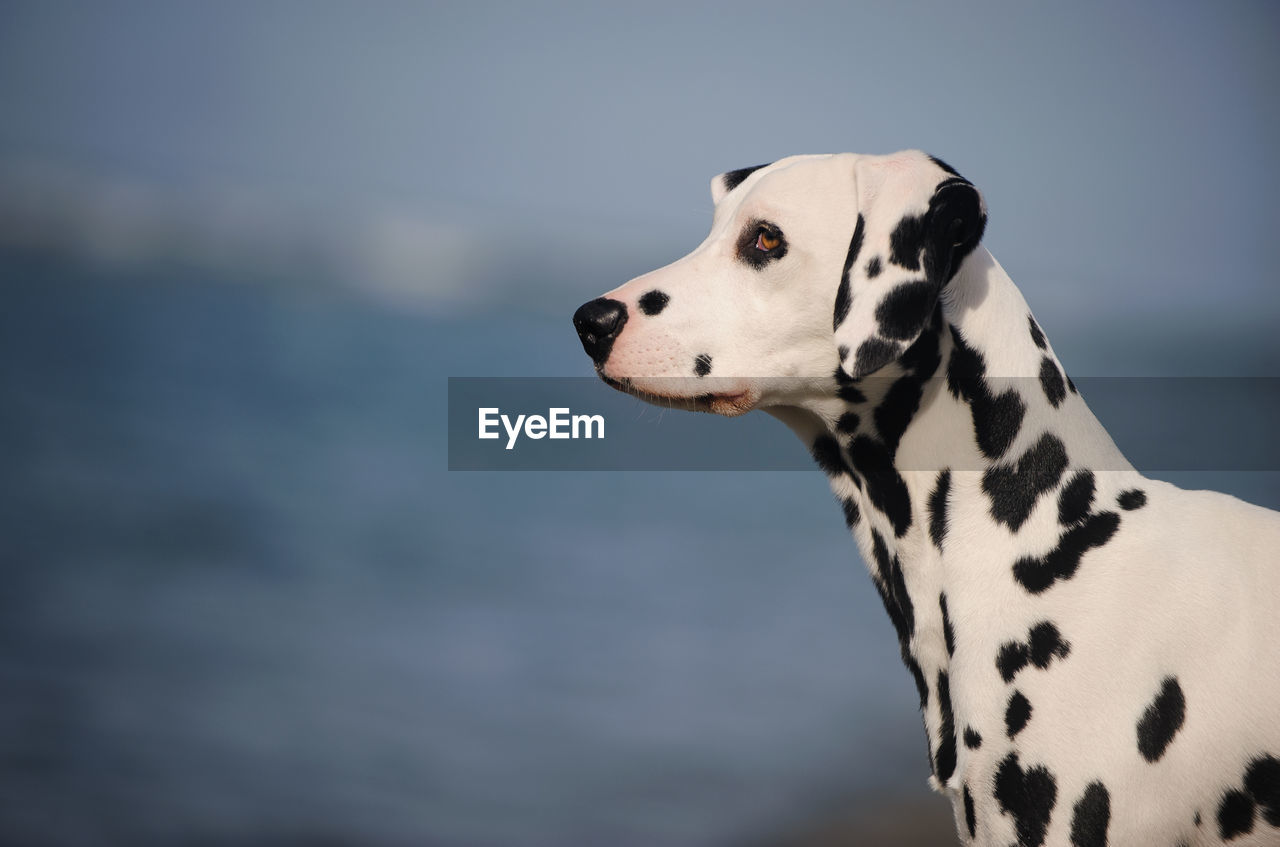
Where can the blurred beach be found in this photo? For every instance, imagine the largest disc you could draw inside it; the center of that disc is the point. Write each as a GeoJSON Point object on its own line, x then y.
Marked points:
{"type": "Point", "coordinates": [245, 599]}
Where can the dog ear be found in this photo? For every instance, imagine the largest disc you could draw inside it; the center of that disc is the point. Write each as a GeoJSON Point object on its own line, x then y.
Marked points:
{"type": "Point", "coordinates": [726, 182]}
{"type": "Point", "coordinates": [917, 221]}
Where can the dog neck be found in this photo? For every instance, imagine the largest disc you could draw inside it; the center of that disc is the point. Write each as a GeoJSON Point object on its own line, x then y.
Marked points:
{"type": "Point", "coordinates": [976, 417]}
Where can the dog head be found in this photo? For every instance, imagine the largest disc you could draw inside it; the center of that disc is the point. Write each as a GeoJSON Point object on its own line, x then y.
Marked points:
{"type": "Point", "coordinates": [813, 264]}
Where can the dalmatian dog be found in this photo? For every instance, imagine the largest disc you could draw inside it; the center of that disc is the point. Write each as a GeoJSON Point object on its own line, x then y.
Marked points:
{"type": "Point", "coordinates": [1097, 654]}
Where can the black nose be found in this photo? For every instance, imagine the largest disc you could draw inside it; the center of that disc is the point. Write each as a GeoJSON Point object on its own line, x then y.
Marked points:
{"type": "Point", "coordinates": [598, 324]}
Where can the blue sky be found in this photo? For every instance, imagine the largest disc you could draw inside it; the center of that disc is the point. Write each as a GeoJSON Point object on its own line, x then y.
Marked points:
{"type": "Point", "coordinates": [1126, 150]}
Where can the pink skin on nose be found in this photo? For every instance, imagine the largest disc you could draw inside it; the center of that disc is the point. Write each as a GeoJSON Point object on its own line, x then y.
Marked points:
{"type": "Point", "coordinates": [642, 349]}
{"type": "Point", "coordinates": [647, 360]}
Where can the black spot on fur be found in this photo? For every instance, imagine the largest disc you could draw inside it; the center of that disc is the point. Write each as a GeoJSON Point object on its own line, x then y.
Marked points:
{"type": "Point", "coordinates": [1091, 816]}
{"type": "Point", "coordinates": [1161, 720]}
{"type": "Point", "coordinates": [906, 241]}
{"type": "Point", "coordinates": [843, 297]}
{"type": "Point", "coordinates": [885, 486]}
{"type": "Point", "coordinates": [969, 820]}
{"type": "Point", "coordinates": [948, 633]}
{"type": "Point", "coordinates": [1013, 657]}
{"type": "Point", "coordinates": [922, 687]}
{"type": "Point", "coordinates": [1029, 796]}
{"type": "Point", "coordinates": [1235, 814]}
{"type": "Point", "coordinates": [1076, 498]}
{"type": "Point", "coordinates": [1134, 498]}
{"type": "Point", "coordinates": [902, 598]}
{"type": "Point", "coordinates": [874, 353]}
{"type": "Point", "coordinates": [922, 358]}
{"type": "Point", "coordinates": [895, 615]}
{"type": "Point", "coordinates": [1017, 713]}
{"type": "Point", "coordinates": [826, 452]}
{"type": "Point", "coordinates": [847, 391]}
{"type": "Point", "coordinates": [850, 394]}
{"type": "Point", "coordinates": [1052, 383]}
{"type": "Point", "coordinates": [972, 739]}
{"type": "Point", "coordinates": [945, 761]}
{"type": "Point", "coordinates": [843, 352]}
{"type": "Point", "coordinates": [996, 419]}
{"type": "Point", "coordinates": [1045, 643]}
{"type": "Point", "coordinates": [1197, 817]}
{"type": "Point", "coordinates": [938, 508]}
{"type": "Point", "coordinates": [894, 414]}
{"type": "Point", "coordinates": [851, 512]}
{"type": "Point", "coordinates": [653, 302]}
{"type": "Point", "coordinates": [733, 179]}
{"type": "Point", "coordinates": [848, 423]}
{"type": "Point", "coordinates": [893, 589]}
{"type": "Point", "coordinates": [904, 309]}
{"type": "Point", "coordinates": [702, 364]}
{"type": "Point", "coordinates": [1037, 336]}
{"type": "Point", "coordinates": [843, 301]}
{"type": "Point", "coordinates": [1038, 574]}
{"type": "Point", "coordinates": [874, 267]}
{"type": "Point", "coordinates": [1262, 780]}
{"type": "Point", "coordinates": [1014, 490]}
{"type": "Point", "coordinates": [966, 369]}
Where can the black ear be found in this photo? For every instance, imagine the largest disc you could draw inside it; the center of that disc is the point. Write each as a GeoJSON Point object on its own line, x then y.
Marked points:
{"type": "Point", "coordinates": [956, 221]}
{"type": "Point", "coordinates": [726, 182]}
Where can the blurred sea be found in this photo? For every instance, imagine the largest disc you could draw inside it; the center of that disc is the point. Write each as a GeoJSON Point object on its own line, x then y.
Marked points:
{"type": "Point", "coordinates": [244, 602]}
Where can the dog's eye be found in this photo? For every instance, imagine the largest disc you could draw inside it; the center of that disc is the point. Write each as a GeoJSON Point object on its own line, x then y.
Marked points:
{"type": "Point", "coordinates": [760, 243]}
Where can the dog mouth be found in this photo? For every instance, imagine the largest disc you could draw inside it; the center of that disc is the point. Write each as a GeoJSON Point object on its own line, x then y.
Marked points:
{"type": "Point", "coordinates": [727, 403]}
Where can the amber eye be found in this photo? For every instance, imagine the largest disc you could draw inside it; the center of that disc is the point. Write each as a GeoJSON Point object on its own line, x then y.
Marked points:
{"type": "Point", "coordinates": [760, 243]}
{"type": "Point", "coordinates": [766, 241]}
